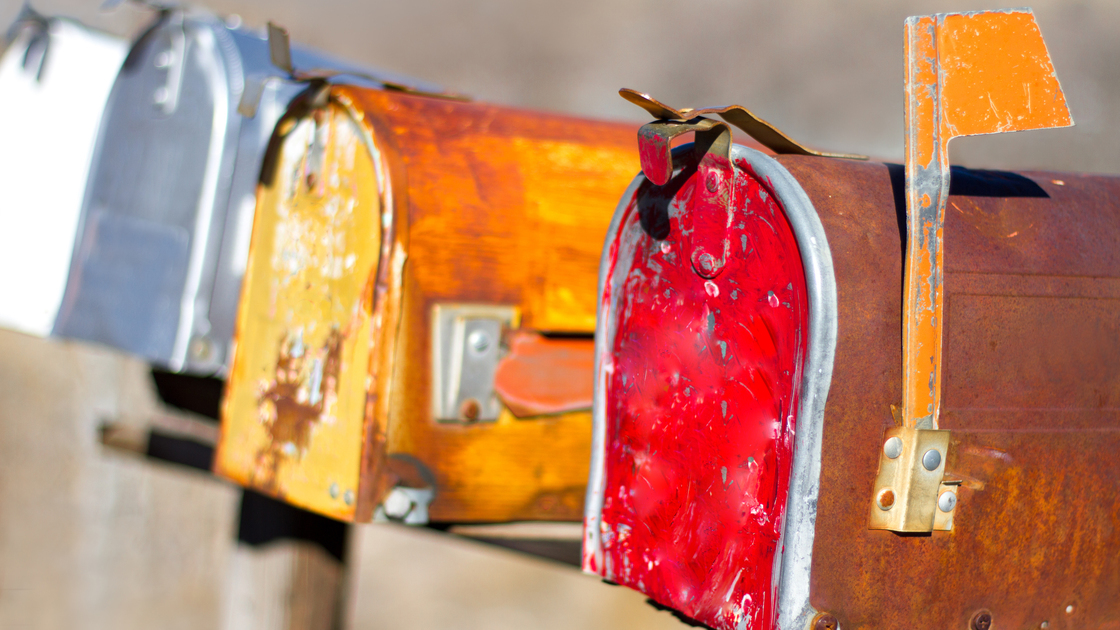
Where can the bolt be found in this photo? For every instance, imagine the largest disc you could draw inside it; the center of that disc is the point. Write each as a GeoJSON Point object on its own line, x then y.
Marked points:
{"type": "Point", "coordinates": [886, 499]}
{"type": "Point", "coordinates": [825, 621]}
{"type": "Point", "coordinates": [479, 341]}
{"type": "Point", "coordinates": [893, 448]}
{"type": "Point", "coordinates": [711, 183]}
{"type": "Point", "coordinates": [982, 620]}
{"type": "Point", "coordinates": [706, 264]}
{"type": "Point", "coordinates": [932, 459]}
{"type": "Point", "coordinates": [470, 410]}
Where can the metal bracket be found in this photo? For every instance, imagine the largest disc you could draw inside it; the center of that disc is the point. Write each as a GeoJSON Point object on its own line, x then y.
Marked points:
{"type": "Point", "coordinates": [910, 485]}
{"type": "Point", "coordinates": [466, 349]}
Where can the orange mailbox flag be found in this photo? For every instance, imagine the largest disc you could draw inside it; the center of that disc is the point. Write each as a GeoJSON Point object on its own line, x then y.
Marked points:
{"type": "Point", "coordinates": [966, 74]}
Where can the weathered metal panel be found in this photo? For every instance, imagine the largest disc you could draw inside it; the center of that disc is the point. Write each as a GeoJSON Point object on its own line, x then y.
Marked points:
{"type": "Point", "coordinates": [55, 77]}
{"type": "Point", "coordinates": [1030, 395]}
{"type": "Point", "coordinates": [505, 210]}
{"type": "Point", "coordinates": [318, 309]}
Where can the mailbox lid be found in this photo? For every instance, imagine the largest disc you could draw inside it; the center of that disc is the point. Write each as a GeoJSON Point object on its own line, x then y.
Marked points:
{"type": "Point", "coordinates": [303, 413]}
{"type": "Point", "coordinates": [55, 78]}
{"type": "Point", "coordinates": [709, 398]}
{"type": "Point", "coordinates": [155, 205]}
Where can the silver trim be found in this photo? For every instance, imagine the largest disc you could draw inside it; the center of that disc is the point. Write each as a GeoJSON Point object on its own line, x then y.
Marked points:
{"type": "Point", "coordinates": [795, 557]}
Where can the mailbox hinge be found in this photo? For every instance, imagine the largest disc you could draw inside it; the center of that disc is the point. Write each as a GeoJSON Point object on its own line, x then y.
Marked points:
{"type": "Point", "coordinates": [911, 492]}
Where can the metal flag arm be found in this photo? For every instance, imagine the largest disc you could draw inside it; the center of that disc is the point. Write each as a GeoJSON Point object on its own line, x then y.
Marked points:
{"type": "Point", "coordinates": [966, 74]}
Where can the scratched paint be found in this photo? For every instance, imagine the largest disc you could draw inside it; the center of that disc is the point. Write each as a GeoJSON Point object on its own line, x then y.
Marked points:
{"type": "Point", "coordinates": [296, 400]}
{"type": "Point", "coordinates": [702, 387]}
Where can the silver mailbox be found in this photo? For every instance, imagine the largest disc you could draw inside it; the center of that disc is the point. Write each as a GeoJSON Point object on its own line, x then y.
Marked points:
{"type": "Point", "coordinates": [55, 77]}
{"type": "Point", "coordinates": [168, 211]}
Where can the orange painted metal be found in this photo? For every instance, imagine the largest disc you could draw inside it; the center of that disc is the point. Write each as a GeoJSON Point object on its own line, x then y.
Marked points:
{"type": "Point", "coordinates": [966, 74]}
{"type": "Point", "coordinates": [487, 205]}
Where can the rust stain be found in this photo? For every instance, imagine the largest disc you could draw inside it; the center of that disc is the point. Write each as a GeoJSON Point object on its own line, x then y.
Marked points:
{"type": "Point", "coordinates": [303, 391]}
{"type": "Point", "coordinates": [1031, 395]}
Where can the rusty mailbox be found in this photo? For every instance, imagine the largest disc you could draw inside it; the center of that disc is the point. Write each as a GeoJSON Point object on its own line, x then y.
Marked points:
{"type": "Point", "coordinates": [416, 321]}
{"type": "Point", "coordinates": [55, 77]}
{"type": "Point", "coordinates": [164, 231]}
{"type": "Point", "coordinates": [811, 413]}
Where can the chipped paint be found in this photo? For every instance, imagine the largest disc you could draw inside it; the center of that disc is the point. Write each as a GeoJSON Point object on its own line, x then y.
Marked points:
{"type": "Point", "coordinates": [299, 397]}
{"type": "Point", "coordinates": [966, 74]}
{"type": "Point", "coordinates": [702, 387]}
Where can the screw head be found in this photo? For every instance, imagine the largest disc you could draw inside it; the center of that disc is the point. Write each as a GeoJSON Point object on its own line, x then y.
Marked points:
{"type": "Point", "coordinates": [479, 341]}
{"type": "Point", "coordinates": [706, 264]}
{"type": "Point", "coordinates": [981, 620]}
{"type": "Point", "coordinates": [470, 410]}
{"type": "Point", "coordinates": [932, 459]}
{"type": "Point", "coordinates": [885, 500]}
{"type": "Point", "coordinates": [893, 447]}
{"type": "Point", "coordinates": [711, 183]}
{"type": "Point", "coordinates": [825, 621]}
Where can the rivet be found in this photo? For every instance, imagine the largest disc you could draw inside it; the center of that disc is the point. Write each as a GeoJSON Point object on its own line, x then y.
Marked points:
{"type": "Point", "coordinates": [1044, 625]}
{"type": "Point", "coordinates": [479, 341]}
{"type": "Point", "coordinates": [711, 182]}
{"type": "Point", "coordinates": [201, 349]}
{"type": "Point", "coordinates": [885, 499]}
{"type": "Point", "coordinates": [160, 96]}
{"type": "Point", "coordinates": [1069, 610]}
{"type": "Point", "coordinates": [163, 59]}
{"type": "Point", "coordinates": [893, 448]}
{"type": "Point", "coordinates": [470, 410]}
{"type": "Point", "coordinates": [334, 490]}
{"type": "Point", "coordinates": [825, 621]}
{"type": "Point", "coordinates": [981, 620]}
{"type": "Point", "coordinates": [932, 459]}
{"type": "Point", "coordinates": [947, 501]}
{"type": "Point", "coordinates": [348, 498]}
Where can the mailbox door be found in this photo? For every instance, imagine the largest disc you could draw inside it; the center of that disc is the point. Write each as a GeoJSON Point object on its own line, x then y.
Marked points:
{"type": "Point", "coordinates": [55, 78]}
{"type": "Point", "coordinates": [303, 416]}
{"type": "Point", "coordinates": [155, 203]}
{"type": "Point", "coordinates": [704, 386]}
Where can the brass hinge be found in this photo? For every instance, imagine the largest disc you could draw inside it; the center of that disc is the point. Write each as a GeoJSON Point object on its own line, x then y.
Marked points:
{"type": "Point", "coordinates": [911, 492]}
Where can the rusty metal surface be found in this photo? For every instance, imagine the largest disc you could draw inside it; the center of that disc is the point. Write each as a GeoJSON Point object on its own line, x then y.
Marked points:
{"type": "Point", "coordinates": [1031, 395]}
{"type": "Point", "coordinates": [966, 74]}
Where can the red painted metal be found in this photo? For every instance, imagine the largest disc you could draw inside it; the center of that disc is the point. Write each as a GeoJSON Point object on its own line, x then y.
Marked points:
{"type": "Point", "coordinates": [701, 402]}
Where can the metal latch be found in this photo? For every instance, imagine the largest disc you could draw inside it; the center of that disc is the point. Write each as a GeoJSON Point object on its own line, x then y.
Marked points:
{"type": "Point", "coordinates": [466, 346]}
{"type": "Point", "coordinates": [966, 74]}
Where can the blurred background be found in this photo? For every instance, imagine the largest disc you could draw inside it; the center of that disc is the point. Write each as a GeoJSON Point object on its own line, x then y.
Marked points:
{"type": "Point", "coordinates": [93, 538]}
